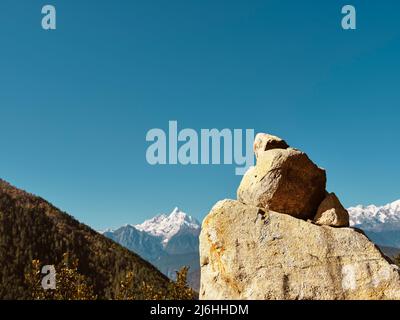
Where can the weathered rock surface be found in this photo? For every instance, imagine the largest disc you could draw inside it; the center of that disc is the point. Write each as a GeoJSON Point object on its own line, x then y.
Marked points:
{"type": "Point", "coordinates": [246, 253]}
{"type": "Point", "coordinates": [332, 213]}
{"type": "Point", "coordinates": [262, 247]}
{"type": "Point", "coordinates": [284, 180]}
{"type": "Point", "coordinates": [264, 142]}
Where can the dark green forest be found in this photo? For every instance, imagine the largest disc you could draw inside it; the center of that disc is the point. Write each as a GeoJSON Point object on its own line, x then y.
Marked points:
{"type": "Point", "coordinates": [33, 229]}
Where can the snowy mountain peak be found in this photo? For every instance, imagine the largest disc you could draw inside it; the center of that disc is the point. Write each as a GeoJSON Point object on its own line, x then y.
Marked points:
{"type": "Point", "coordinates": [168, 241]}
{"type": "Point", "coordinates": [395, 205]}
{"type": "Point", "coordinates": [380, 223]}
{"type": "Point", "coordinates": [375, 218]}
{"type": "Point", "coordinates": [167, 226]}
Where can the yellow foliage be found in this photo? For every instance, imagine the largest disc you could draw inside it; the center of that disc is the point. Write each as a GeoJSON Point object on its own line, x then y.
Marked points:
{"type": "Point", "coordinates": [70, 284]}
{"type": "Point", "coordinates": [179, 290]}
{"type": "Point", "coordinates": [176, 290]}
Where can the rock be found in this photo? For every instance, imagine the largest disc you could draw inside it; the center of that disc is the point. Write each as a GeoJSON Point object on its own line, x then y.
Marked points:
{"type": "Point", "coordinates": [264, 142]}
{"type": "Point", "coordinates": [247, 253]}
{"type": "Point", "coordinates": [332, 213]}
{"type": "Point", "coordinates": [284, 180]}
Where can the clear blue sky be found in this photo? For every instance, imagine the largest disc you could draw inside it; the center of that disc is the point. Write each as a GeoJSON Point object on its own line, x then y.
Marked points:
{"type": "Point", "coordinates": [76, 103]}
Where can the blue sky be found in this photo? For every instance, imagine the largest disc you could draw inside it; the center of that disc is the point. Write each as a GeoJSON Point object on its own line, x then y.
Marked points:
{"type": "Point", "coordinates": [76, 103]}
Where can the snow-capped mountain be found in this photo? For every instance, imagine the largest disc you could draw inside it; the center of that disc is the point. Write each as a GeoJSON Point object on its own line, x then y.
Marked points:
{"type": "Point", "coordinates": [169, 241]}
{"type": "Point", "coordinates": [168, 227]}
{"type": "Point", "coordinates": [381, 224]}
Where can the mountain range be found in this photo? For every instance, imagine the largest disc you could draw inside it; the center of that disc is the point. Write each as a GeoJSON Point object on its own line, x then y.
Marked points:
{"type": "Point", "coordinates": [168, 241]}
{"type": "Point", "coordinates": [380, 223]}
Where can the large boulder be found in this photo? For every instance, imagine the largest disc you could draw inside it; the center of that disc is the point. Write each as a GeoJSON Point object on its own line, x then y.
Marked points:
{"type": "Point", "coordinates": [332, 213]}
{"type": "Point", "coordinates": [264, 142]}
{"type": "Point", "coordinates": [249, 253]}
{"type": "Point", "coordinates": [284, 180]}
